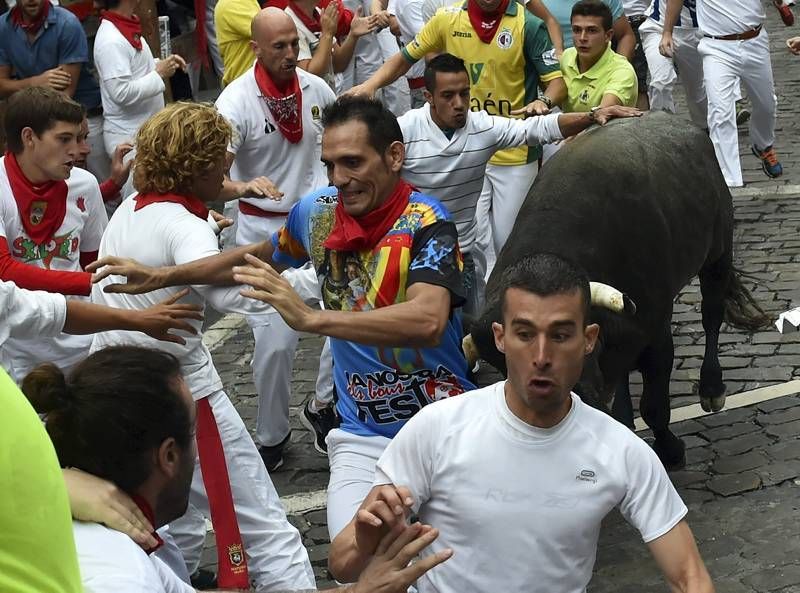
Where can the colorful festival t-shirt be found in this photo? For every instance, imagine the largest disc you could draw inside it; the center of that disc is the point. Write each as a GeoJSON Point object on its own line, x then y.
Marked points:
{"type": "Point", "coordinates": [380, 388]}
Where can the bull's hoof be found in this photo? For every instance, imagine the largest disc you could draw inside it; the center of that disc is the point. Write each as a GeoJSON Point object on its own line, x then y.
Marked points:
{"type": "Point", "coordinates": [712, 404]}
{"type": "Point", "coordinates": [671, 452]}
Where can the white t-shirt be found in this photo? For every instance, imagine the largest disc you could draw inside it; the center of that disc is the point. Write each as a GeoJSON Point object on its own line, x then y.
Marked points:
{"type": "Point", "coordinates": [726, 17]}
{"type": "Point", "coordinates": [261, 149]}
{"type": "Point", "coordinates": [409, 18]}
{"type": "Point", "coordinates": [28, 314]}
{"type": "Point", "coordinates": [166, 234]}
{"type": "Point", "coordinates": [308, 45]}
{"type": "Point", "coordinates": [111, 562]}
{"type": "Point", "coordinates": [452, 170]}
{"type": "Point", "coordinates": [83, 225]}
{"type": "Point", "coordinates": [657, 11]}
{"type": "Point", "coordinates": [521, 506]}
{"type": "Point", "coordinates": [130, 87]}
{"type": "Point", "coordinates": [634, 7]}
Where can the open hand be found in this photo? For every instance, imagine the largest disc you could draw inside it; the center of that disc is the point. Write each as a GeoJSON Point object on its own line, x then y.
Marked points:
{"type": "Point", "coordinates": [605, 114]}
{"type": "Point", "coordinates": [260, 187]}
{"type": "Point", "coordinates": [384, 508]}
{"type": "Point", "coordinates": [140, 278]}
{"type": "Point", "coordinates": [121, 169]}
{"type": "Point", "coordinates": [537, 107]}
{"type": "Point", "coordinates": [156, 321]}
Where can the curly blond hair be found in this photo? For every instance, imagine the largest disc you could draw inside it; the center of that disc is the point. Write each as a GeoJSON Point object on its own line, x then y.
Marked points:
{"type": "Point", "coordinates": [176, 144]}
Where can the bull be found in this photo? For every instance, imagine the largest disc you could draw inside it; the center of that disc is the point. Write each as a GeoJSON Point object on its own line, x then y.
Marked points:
{"type": "Point", "coordinates": [642, 206]}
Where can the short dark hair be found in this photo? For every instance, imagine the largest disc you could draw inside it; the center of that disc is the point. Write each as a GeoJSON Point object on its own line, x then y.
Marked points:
{"type": "Point", "coordinates": [545, 274]}
{"type": "Point", "coordinates": [594, 8]}
{"type": "Point", "coordinates": [442, 63]}
{"type": "Point", "coordinates": [38, 108]}
{"type": "Point", "coordinates": [381, 123]}
{"type": "Point", "coordinates": [112, 411]}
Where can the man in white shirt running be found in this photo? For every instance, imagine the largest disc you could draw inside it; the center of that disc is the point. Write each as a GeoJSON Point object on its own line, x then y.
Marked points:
{"type": "Point", "coordinates": [136, 421]}
{"type": "Point", "coordinates": [523, 467]}
{"type": "Point", "coordinates": [448, 147]}
{"type": "Point", "coordinates": [734, 48]}
{"type": "Point", "coordinates": [275, 109]}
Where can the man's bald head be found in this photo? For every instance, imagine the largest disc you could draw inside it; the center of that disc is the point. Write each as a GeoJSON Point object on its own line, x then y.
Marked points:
{"type": "Point", "coordinates": [275, 43]}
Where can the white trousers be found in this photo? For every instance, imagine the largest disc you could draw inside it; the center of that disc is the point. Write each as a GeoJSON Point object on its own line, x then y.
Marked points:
{"type": "Point", "coordinates": [725, 63]}
{"type": "Point", "coordinates": [663, 75]}
{"type": "Point", "coordinates": [276, 558]}
{"type": "Point", "coordinates": [352, 459]}
{"type": "Point", "coordinates": [504, 190]}
{"type": "Point", "coordinates": [275, 343]}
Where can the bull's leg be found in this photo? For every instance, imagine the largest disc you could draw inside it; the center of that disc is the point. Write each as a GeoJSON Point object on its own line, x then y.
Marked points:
{"type": "Point", "coordinates": [622, 408]}
{"type": "Point", "coordinates": [713, 284]}
{"type": "Point", "coordinates": [656, 367]}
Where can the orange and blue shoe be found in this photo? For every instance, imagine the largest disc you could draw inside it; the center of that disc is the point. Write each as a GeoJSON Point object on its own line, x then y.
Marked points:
{"type": "Point", "coordinates": [769, 161]}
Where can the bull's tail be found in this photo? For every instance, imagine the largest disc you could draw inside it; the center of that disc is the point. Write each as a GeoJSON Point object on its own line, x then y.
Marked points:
{"type": "Point", "coordinates": [741, 309]}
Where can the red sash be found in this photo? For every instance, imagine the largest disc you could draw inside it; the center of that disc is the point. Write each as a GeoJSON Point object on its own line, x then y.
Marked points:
{"type": "Point", "coordinates": [192, 204]}
{"type": "Point", "coordinates": [358, 234]}
{"type": "Point", "coordinates": [232, 562]}
{"type": "Point", "coordinates": [129, 26]}
{"type": "Point", "coordinates": [485, 23]}
{"type": "Point", "coordinates": [41, 207]}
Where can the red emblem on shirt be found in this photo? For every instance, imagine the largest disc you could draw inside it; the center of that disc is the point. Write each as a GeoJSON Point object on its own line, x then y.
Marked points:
{"type": "Point", "coordinates": [81, 204]}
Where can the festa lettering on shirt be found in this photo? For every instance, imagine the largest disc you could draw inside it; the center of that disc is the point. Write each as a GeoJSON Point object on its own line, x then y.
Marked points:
{"type": "Point", "coordinates": [380, 387]}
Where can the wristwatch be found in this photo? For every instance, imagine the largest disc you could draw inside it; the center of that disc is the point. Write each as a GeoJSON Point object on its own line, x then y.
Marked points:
{"type": "Point", "coordinates": [593, 113]}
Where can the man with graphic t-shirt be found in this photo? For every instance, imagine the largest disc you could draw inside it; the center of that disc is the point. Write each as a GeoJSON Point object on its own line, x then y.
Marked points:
{"type": "Point", "coordinates": [389, 267]}
{"type": "Point", "coordinates": [523, 467]}
{"type": "Point", "coordinates": [275, 109]}
{"type": "Point", "coordinates": [51, 214]}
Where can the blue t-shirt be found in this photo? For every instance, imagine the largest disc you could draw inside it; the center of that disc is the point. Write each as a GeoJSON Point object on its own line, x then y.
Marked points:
{"type": "Point", "coordinates": [60, 41]}
{"type": "Point", "coordinates": [380, 388]}
{"type": "Point", "coordinates": [562, 12]}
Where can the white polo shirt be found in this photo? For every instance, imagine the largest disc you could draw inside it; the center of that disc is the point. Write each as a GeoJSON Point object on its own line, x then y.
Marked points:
{"type": "Point", "coordinates": [522, 506]}
{"type": "Point", "coordinates": [726, 17]}
{"type": "Point", "coordinates": [130, 87]}
{"type": "Point", "coordinates": [83, 225]}
{"type": "Point", "coordinates": [261, 149]}
{"type": "Point", "coordinates": [166, 234]}
{"type": "Point", "coordinates": [111, 562]}
{"type": "Point", "coordinates": [452, 170]}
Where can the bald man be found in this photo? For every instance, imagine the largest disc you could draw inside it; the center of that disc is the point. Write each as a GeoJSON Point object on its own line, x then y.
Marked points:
{"type": "Point", "coordinates": [275, 109]}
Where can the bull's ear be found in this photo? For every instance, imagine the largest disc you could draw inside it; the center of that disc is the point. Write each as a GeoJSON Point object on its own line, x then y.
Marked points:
{"type": "Point", "coordinates": [590, 334]}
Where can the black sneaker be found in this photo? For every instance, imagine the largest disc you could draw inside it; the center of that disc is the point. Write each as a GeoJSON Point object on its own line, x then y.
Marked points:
{"type": "Point", "coordinates": [319, 424]}
{"type": "Point", "coordinates": [203, 579]}
{"type": "Point", "coordinates": [273, 456]}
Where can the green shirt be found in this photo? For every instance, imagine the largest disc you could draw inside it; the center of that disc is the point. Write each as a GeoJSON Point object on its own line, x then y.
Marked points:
{"type": "Point", "coordinates": [612, 75]}
{"type": "Point", "coordinates": [37, 551]}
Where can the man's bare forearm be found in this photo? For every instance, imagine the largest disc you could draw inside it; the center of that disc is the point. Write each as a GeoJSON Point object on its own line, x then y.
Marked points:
{"type": "Point", "coordinates": [671, 17]}
{"type": "Point", "coordinates": [216, 270]}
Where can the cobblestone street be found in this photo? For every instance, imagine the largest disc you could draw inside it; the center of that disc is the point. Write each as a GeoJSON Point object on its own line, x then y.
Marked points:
{"type": "Point", "coordinates": [742, 479]}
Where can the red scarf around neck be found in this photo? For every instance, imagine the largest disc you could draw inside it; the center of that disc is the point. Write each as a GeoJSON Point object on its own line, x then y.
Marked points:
{"type": "Point", "coordinates": [147, 511]}
{"type": "Point", "coordinates": [285, 105]}
{"type": "Point", "coordinates": [362, 233]}
{"type": "Point", "coordinates": [192, 204]}
{"type": "Point", "coordinates": [41, 207]}
{"type": "Point", "coordinates": [129, 26]}
{"type": "Point", "coordinates": [314, 24]}
{"type": "Point", "coordinates": [33, 27]}
{"type": "Point", "coordinates": [485, 23]}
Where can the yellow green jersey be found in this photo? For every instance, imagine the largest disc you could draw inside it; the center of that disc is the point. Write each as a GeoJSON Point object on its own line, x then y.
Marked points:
{"type": "Point", "coordinates": [612, 74]}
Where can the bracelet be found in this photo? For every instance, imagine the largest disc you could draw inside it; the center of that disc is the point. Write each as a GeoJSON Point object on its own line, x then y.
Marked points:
{"type": "Point", "coordinates": [547, 101]}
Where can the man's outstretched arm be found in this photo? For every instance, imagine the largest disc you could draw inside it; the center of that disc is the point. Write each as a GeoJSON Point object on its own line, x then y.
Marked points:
{"type": "Point", "coordinates": [677, 555]}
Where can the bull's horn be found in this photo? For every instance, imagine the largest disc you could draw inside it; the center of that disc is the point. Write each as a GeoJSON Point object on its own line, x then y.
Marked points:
{"type": "Point", "coordinates": [470, 351]}
{"type": "Point", "coordinates": [609, 297]}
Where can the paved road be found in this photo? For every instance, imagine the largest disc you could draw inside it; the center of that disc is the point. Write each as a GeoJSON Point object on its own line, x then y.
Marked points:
{"type": "Point", "coordinates": [741, 481]}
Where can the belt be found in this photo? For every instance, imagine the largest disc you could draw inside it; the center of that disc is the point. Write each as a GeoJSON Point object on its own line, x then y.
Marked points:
{"type": "Point", "coordinates": [416, 83]}
{"type": "Point", "coordinates": [737, 36]}
{"type": "Point", "coordinates": [246, 208]}
{"type": "Point", "coordinates": [94, 111]}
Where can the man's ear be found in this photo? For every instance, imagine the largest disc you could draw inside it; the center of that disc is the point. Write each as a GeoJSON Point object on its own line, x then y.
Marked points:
{"type": "Point", "coordinates": [609, 35]}
{"type": "Point", "coordinates": [396, 153]}
{"type": "Point", "coordinates": [428, 96]}
{"type": "Point", "coordinates": [590, 333]}
{"type": "Point", "coordinates": [168, 457]}
{"type": "Point", "coordinates": [27, 135]}
{"type": "Point", "coordinates": [499, 336]}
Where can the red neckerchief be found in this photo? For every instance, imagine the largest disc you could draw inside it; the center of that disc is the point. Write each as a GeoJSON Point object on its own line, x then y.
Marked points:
{"type": "Point", "coordinates": [312, 22]}
{"type": "Point", "coordinates": [285, 105]}
{"type": "Point", "coordinates": [129, 26]}
{"type": "Point", "coordinates": [41, 207]}
{"type": "Point", "coordinates": [33, 27]}
{"type": "Point", "coordinates": [485, 23]}
{"type": "Point", "coordinates": [362, 233]}
{"type": "Point", "coordinates": [144, 506]}
{"type": "Point", "coordinates": [191, 203]}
